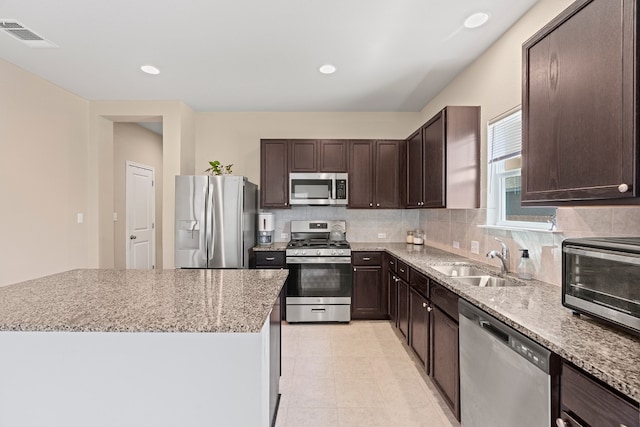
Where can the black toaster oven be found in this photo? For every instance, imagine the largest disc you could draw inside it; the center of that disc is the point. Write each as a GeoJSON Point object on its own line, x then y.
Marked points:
{"type": "Point", "coordinates": [601, 278]}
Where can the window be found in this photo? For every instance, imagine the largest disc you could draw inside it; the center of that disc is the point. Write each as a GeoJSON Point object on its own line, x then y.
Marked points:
{"type": "Point", "coordinates": [504, 135]}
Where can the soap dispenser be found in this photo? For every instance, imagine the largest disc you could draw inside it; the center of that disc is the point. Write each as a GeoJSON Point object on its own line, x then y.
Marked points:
{"type": "Point", "coordinates": [525, 268]}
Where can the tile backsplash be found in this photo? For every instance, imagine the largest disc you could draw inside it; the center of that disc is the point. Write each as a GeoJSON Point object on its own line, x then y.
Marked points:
{"type": "Point", "coordinates": [443, 227]}
{"type": "Point", "coordinates": [363, 225]}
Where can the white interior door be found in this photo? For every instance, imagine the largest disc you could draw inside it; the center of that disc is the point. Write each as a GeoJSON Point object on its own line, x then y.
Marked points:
{"type": "Point", "coordinates": [141, 252]}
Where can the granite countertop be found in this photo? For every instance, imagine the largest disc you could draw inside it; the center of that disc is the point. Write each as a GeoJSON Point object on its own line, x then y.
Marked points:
{"type": "Point", "coordinates": [142, 301]}
{"type": "Point", "coordinates": [535, 310]}
{"type": "Point", "coordinates": [275, 246]}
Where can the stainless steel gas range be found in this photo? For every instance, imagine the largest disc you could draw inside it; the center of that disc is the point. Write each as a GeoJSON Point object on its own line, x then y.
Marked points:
{"type": "Point", "coordinates": [319, 263]}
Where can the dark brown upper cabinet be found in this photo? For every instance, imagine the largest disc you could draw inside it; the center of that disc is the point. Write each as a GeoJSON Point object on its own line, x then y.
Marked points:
{"type": "Point", "coordinates": [303, 156]}
{"type": "Point", "coordinates": [579, 107]}
{"type": "Point", "coordinates": [333, 156]}
{"type": "Point", "coordinates": [274, 173]}
{"type": "Point", "coordinates": [307, 155]}
{"type": "Point", "coordinates": [443, 161]}
{"type": "Point", "coordinates": [375, 174]}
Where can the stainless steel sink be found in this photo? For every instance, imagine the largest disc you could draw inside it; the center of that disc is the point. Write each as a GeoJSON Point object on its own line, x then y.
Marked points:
{"type": "Point", "coordinates": [487, 281]}
{"type": "Point", "coordinates": [457, 270]}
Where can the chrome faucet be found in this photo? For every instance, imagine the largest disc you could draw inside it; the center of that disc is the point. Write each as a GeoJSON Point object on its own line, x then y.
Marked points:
{"type": "Point", "coordinates": [503, 257]}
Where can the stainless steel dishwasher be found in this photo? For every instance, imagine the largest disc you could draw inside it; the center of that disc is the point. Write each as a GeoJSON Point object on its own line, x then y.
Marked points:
{"type": "Point", "coordinates": [505, 377]}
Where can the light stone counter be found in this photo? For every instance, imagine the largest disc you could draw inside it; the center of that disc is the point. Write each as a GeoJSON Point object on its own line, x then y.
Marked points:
{"type": "Point", "coordinates": [142, 301]}
{"type": "Point", "coordinates": [61, 363]}
{"type": "Point", "coordinates": [536, 310]}
{"type": "Point", "coordinates": [276, 246]}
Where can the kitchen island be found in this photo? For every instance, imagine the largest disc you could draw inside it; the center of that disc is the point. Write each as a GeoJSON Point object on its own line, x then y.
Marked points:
{"type": "Point", "coordinates": [133, 348]}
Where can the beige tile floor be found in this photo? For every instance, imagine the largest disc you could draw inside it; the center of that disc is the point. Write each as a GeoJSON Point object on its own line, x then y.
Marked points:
{"type": "Point", "coordinates": [360, 374]}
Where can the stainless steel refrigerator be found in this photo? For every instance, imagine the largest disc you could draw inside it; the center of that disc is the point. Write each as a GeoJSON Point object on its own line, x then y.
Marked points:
{"type": "Point", "coordinates": [216, 220]}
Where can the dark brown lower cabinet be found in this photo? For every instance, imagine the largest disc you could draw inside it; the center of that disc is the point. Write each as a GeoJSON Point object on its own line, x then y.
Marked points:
{"type": "Point", "coordinates": [445, 369]}
{"type": "Point", "coordinates": [270, 260]}
{"type": "Point", "coordinates": [586, 403]}
{"type": "Point", "coordinates": [403, 307]}
{"type": "Point", "coordinates": [368, 299]}
{"type": "Point", "coordinates": [419, 327]}
{"type": "Point", "coordinates": [392, 297]}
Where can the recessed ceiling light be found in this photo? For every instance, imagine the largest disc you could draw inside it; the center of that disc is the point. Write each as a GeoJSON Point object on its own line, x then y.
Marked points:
{"type": "Point", "coordinates": [476, 20]}
{"type": "Point", "coordinates": [150, 69]}
{"type": "Point", "coordinates": [327, 69]}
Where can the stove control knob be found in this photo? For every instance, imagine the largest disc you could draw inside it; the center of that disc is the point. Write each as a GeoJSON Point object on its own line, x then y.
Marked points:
{"type": "Point", "coordinates": [318, 252]}
{"type": "Point", "coordinates": [334, 252]}
{"type": "Point", "coordinates": [303, 252]}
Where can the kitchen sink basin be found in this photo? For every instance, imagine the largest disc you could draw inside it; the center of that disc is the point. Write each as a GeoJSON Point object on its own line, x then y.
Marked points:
{"type": "Point", "coordinates": [487, 281]}
{"type": "Point", "coordinates": [456, 270]}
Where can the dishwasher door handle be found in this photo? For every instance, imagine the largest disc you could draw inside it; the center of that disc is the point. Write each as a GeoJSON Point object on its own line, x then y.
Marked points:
{"type": "Point", "coordinates": [487, 326]}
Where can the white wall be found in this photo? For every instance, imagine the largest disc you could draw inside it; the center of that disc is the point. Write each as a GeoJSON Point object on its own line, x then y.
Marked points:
{"type": "Point", "coordinates": [43, 177]}
{"type": "Point", "coordinates": [132, 142]}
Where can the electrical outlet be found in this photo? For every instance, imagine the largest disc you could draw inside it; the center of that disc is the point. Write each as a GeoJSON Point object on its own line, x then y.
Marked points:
{"type": "Point", "coordinates": [475, 247]}
{"type": "Point", "coordinates": [115, 216]}
{"type": "Point", "coordinates": [456, 244]}
{"type": "Point", "coordinates": [382, 235]}
{"type": "Point", "coordinates": [284, 235]}
{"type": "Point", "coordinates": [80, 218]}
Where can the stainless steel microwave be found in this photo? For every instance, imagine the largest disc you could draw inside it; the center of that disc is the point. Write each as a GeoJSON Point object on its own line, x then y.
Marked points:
{"type": "Point", "coordinates": [325, 189]}
{"type": "Point", "coordinates": [601, 278]}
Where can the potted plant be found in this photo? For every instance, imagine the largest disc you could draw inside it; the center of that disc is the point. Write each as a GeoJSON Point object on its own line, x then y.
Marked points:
{"type": "Point", "coordinates": [217, 168]}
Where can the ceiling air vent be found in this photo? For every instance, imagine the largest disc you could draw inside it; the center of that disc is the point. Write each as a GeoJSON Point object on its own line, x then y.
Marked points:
{"type": "Point", "coordinates": [25, 35]}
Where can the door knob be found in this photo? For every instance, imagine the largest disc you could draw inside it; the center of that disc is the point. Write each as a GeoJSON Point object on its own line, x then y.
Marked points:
{"type": "Point", "coordinates": [132, 237]}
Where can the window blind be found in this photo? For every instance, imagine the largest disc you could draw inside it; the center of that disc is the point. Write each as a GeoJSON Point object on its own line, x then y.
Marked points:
{"type": "Point", "coordinates": [505, 137]}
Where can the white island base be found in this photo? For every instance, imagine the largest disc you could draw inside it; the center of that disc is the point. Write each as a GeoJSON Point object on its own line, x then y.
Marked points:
{"type": "Point", "coordinates": [108, 379]}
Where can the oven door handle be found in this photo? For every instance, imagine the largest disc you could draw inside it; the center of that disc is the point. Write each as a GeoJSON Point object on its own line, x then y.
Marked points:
{"type": "Point", "coordinates": [319, 260]}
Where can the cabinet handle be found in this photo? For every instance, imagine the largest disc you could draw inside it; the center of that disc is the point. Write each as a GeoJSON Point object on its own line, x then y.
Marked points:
{"type": "Point", "coordinates": [424, 305]}
{"type": "Point", "coordinates": [377, 204]}
{"type": "Point", "coordinates": [429, 309]}
{"type": "Point", "coordinates": [623, 188]}
{"type": "Point", "coordinates": [418, 203]}
{"type": "Point", "coordinates": [371, 204]}
{"type": "Point", "coordinates": [354, 269]}
{"type": "Point", "coordinates": [366, 258]}
{"type": "Point", "coordinates": [285, 203]}
{"type": "Point", "coordinates": [561, 423]}
{"type": "Point", "coordinates": [270, 258]}
{"type": "Point", "coordinates": [402, 270]}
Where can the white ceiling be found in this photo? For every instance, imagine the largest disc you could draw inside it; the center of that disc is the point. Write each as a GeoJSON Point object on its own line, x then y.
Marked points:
{"type": "Point", "coordinates": [257, 55]}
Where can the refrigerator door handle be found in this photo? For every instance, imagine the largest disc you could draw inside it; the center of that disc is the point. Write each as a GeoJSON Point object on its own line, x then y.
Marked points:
{"type": "Point", "coordinates": [210, 227]}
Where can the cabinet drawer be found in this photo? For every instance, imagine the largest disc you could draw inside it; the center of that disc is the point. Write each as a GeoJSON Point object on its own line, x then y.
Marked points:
{"type": "Point", "coordinates": [270, 259]}
{"type": "Point", "coordinates": [367, 258]}
{"type": "Point", "coordinates": [445, 299]}
{"type": "Point", "coordinates": [402, 270]}
{"type": "Point", "coordinates": [592, 403]}
{"type": "Point", "coordinates": [392, 263]}
{"type": "Point", "coordinates": [419, 282]}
